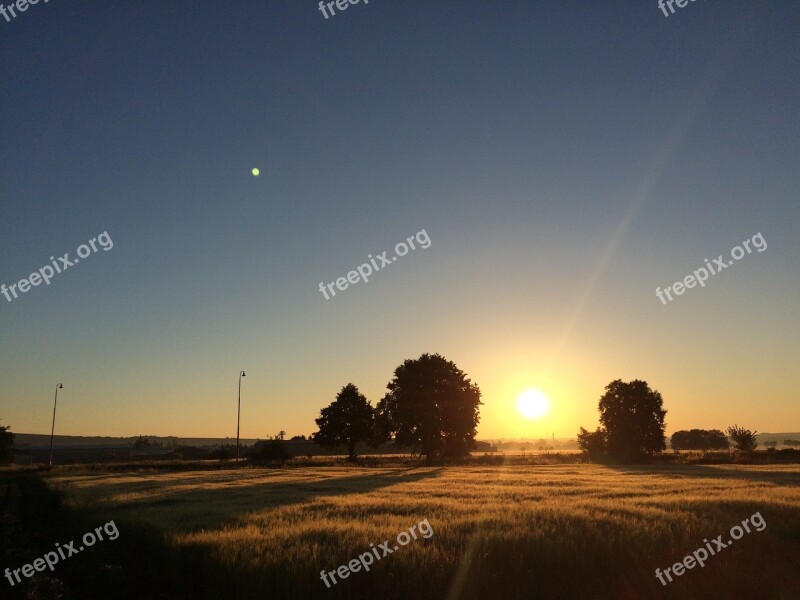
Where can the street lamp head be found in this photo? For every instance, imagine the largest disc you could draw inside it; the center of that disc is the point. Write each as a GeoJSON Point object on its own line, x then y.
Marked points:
{"type": "Point", "coordinates": [243, 375]}
{"type": "Point", "coordinates": [61, 387]}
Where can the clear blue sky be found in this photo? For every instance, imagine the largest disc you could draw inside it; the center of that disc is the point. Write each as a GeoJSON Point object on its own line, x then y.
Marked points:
{"type": "Point", "coordinates": [565, 158]}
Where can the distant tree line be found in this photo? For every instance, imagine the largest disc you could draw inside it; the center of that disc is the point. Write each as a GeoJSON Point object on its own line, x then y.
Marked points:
{"type": "Point", "coordinates": [145, 442]}
{"type": "Point", "coordinates": [742, 439]}
{"type": "Point", "coordinates": [632, 428]}
{"type": "Point", "coordinates": [699, 439]}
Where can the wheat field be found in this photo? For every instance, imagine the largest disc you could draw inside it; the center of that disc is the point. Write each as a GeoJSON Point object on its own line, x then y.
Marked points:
{"type": "Point", "coordinates": [507, 531]}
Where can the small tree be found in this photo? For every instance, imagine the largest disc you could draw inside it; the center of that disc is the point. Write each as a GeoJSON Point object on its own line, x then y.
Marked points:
{"type": "Point", "coordinates": [743, 439]}
{"type": "Point", "coordinates": [791, 443]}
{"type": "Point", "coordinates": [592, 443]}
{"type": "Point", "coordinates": [6, 445]}
{"type": "Point", "coordinates": [347, 421]}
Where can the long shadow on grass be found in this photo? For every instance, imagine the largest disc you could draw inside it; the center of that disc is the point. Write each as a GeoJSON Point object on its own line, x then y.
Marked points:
{"type": "Point", "coordinates": [207, 508]}
{"type": "Point", "coordinates": [787, 478]}
{"type": "Point", "coordinates": [34, 518]}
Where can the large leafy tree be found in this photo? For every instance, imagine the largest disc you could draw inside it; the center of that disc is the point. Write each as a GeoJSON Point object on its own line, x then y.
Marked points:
{"type": "Point", "coordinates": [347, 421]}
{"type": "Point", "coordinates": [632, 419]}
{"type": "Point", "coordinates": [432, 405]}
{"type": "Point", "coordinates": [633, 416]}
{"type": "Point", "coordinates": [6, 445]}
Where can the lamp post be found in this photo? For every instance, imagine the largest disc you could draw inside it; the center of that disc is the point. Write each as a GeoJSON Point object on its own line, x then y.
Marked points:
{"type": "Point", "coordinates": [239, 414]}
{"type": "Point", "coordinates": [53, 429]}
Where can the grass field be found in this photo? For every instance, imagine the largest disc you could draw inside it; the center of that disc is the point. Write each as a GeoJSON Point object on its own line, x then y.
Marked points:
{"type": "Point", "coordinates": [513, 531]}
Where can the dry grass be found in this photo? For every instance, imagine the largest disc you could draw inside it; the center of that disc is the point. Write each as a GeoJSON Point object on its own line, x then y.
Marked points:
{"type": "Point", "coordinates": [560, 531]}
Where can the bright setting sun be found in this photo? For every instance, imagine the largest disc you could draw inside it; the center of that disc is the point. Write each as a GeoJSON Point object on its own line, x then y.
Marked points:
{"type": "Point", "coordinates": [533, 404]}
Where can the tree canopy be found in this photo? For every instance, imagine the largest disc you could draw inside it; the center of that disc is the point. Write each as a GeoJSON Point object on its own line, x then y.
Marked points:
{"type": "Point", "coordinates": [699, 439]}
{"type": "Point", "coordinates": [347, 421]}
{"type": "Point", "coordinates": [744, 440]}
{"type": "Point", "coordinates": [631, 423]}
{"type": "Point", "coordinates": [432, 405]}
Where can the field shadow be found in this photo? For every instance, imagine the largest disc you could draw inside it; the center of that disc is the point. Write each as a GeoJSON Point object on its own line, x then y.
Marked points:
{"type": "Point", "coordinates": [730, 472]}
{"type": "Point", "coordinates": [203, 508]}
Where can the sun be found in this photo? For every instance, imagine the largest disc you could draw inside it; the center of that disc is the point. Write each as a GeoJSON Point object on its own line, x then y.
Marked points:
{"type": "Point", "coordinates": [533, 404]}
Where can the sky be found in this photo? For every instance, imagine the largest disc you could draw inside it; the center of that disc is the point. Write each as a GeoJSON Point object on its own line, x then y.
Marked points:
{"type": "Point", "coordinates": [565, 159]}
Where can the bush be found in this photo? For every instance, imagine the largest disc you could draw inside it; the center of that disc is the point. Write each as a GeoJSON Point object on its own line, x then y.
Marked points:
{"type": "Point", "coordinates": [188, 453]}
{"type": "Point", "coordinates": [223, 453]}
{"type": "Point", "coordinates": [273, 451]}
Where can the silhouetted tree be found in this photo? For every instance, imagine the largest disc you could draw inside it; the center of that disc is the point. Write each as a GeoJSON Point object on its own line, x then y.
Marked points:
{"type": "Point", "coordinates": [272, 451]}
{"type": "Point", "coordinates": [791, 443]}
{"type": "Point", "coordinates": [281, 434]}
{"type": "Point", "coordinates": [699, 439]}
{"type": "Point", "coordinates": [744, 440]}
{"type": "Point", "coordinates": [6, 445]}
{"type": "Point", "coordinates": [592, 443]}
{"type": "Point", "coordinates": [431, 404]}
{"type": "Point", "coordinates": [347, 421]}
{"type": "Point", "coordinates": [631, 419]}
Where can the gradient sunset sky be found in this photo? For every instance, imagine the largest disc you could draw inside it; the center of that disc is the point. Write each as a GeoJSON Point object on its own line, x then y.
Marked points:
{"type": "Point", "coordinates": [565, 158]}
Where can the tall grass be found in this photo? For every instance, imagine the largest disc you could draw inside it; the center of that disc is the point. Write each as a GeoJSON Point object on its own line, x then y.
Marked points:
{"type": "Point", "coordinates": [514, 531]}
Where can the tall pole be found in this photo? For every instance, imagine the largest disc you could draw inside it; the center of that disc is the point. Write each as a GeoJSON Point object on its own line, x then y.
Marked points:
{"type": "Point", "coordinates": [239, 414]}
{"type": "Point", "coordinates": [53, 428]}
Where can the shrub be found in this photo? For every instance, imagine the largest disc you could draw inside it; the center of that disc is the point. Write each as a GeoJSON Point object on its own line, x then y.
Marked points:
{"type": "Point", "coordinates": [273, 451]}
